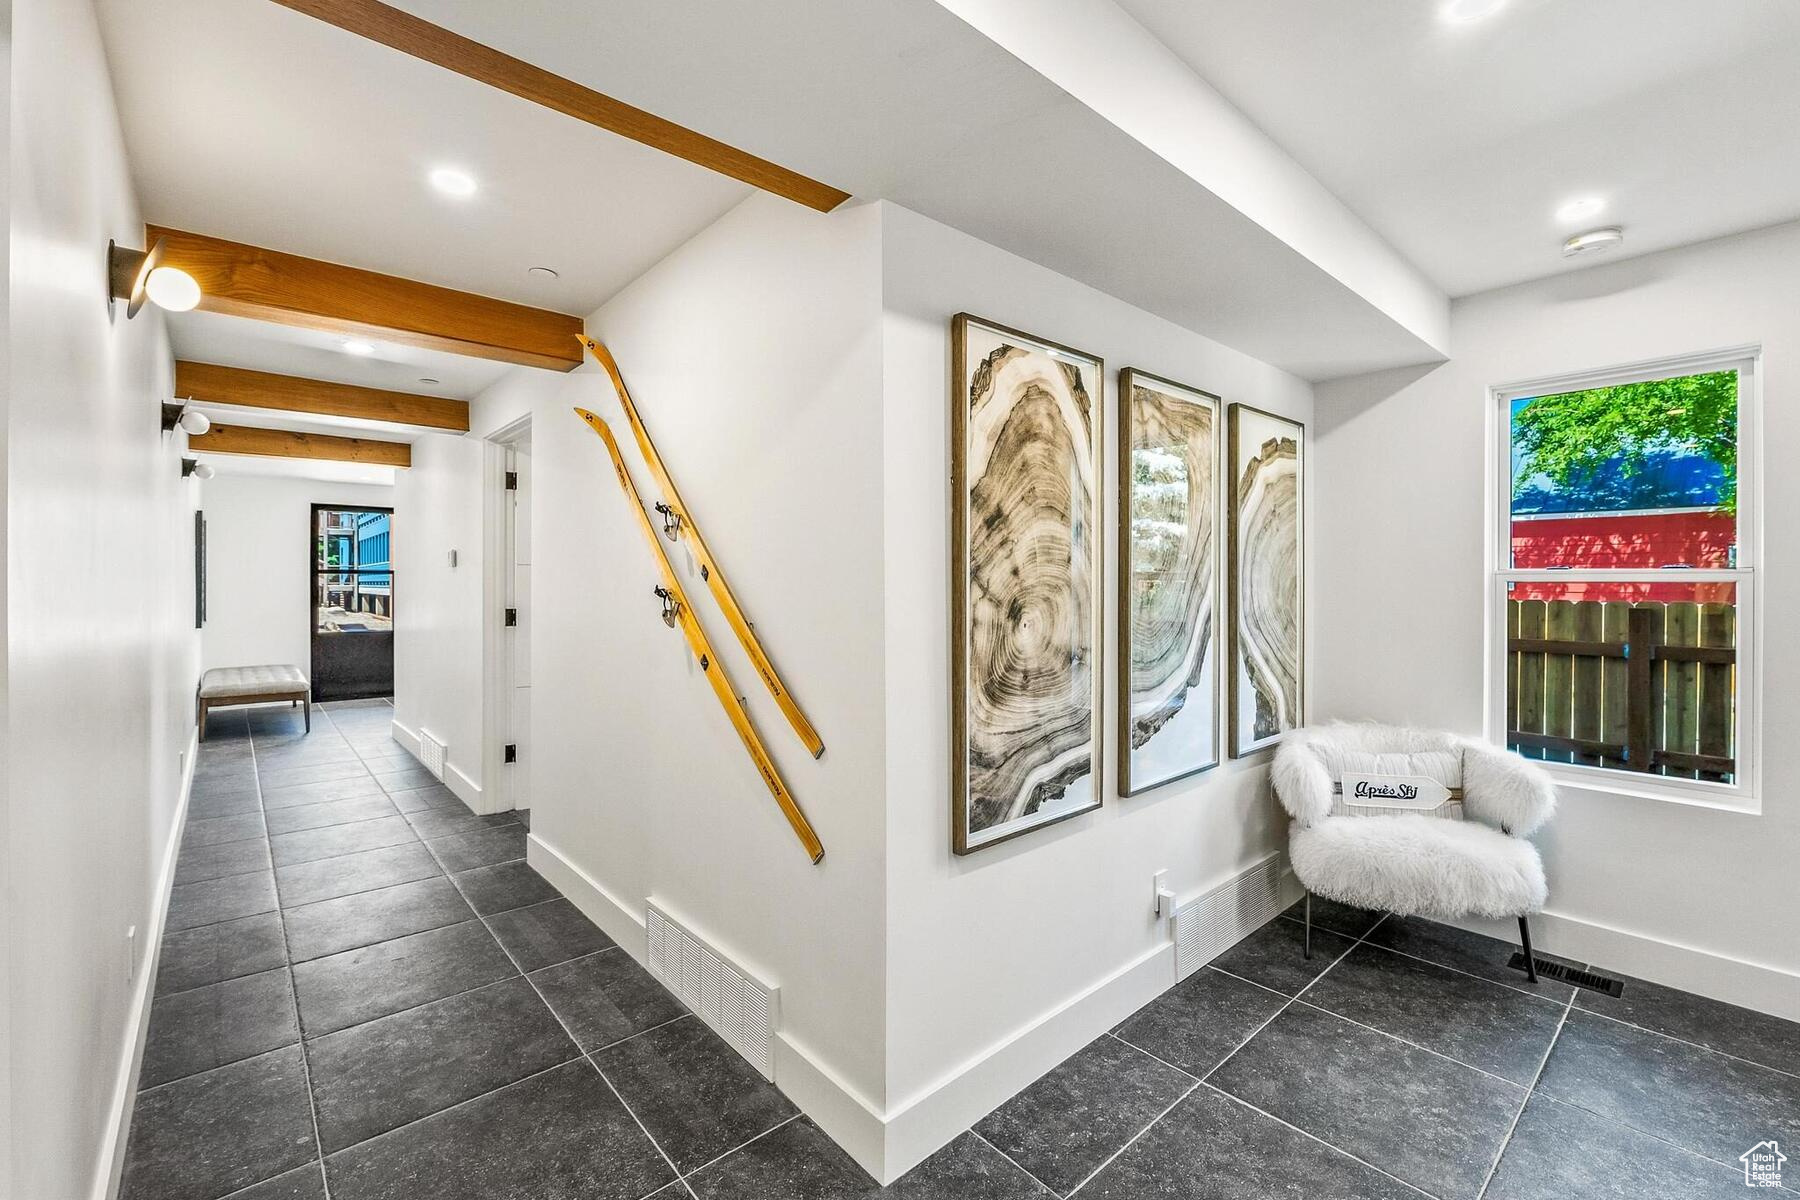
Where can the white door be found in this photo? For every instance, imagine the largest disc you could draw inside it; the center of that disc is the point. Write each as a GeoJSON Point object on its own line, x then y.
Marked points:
{"type": "Point", "coordinates": [518, 598]}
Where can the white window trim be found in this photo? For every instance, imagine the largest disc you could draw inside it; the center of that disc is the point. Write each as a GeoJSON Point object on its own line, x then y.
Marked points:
{"type": "Point", "coordinates": [1744, 795]}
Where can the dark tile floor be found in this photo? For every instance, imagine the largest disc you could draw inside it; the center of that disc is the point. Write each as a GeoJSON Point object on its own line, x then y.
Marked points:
{"type": "Point", "coordinates": [366, 993]}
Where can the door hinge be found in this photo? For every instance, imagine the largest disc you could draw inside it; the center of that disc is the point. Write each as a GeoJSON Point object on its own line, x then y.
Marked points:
{"type": "Point", "coordinates": [512, 752]}
{"type": "Point", "coordinates": [512, 481]}
{"type": "Point", "coordinates": [512, 616]}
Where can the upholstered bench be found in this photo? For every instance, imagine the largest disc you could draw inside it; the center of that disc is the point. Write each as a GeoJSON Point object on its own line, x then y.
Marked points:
{"type": "Point", "coordinates": [222, 687]}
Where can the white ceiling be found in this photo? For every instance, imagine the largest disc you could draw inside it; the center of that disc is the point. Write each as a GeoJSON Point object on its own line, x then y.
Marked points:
{"type": "Point", "coordinates": [300, 468]}
{"type": "Point", "coordinates": [905, 100]}
{"type": "Point", "coordinates": [1459, 142]}
{"type": "Point", "coordinates": [311, 354]}
{"type": "Point", "coordinates": [249, 121]}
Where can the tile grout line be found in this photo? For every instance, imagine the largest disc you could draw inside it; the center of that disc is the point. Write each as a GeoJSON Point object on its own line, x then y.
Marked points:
{"type": "Point", "coordinates": [1290, 1001]}
{"type": "Point", "coordinates": [1588, 1012]}
{"type": "Point", "coordinates": [717, 1158]}
{"type": "Point", "coordinates": [1494, 1167]}
{"type": "Point", "coordinates": [1191, 1088]}
{"type": "Point", "coordinates": [1148, 1054]}
{"type": "Point", "coordinates": [1655, 1137]}
{"type": "Point", "coordinates": [1438, 1054]}
{"type": "Point", "coordinates": [1431, 962]}
{"type": "Point", "coordinates": [1574, 996]}
{"type": "Point", "coordinates": [1015, 1162]}
{"type": "Point", "coordinates": [1335, 1149]}
{"type": "Point", "coordinates": [452, 1107]}
{"type": "Point", "coordinates": [287, 954]}
{"type": "Point", "coordinates": [567, 1032]}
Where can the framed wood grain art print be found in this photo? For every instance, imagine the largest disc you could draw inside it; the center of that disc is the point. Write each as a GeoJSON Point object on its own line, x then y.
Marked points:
{"type": "Point", "coordinates": [1267, 563]}
{"type": "Point", "coordinates": [1169, 538]}
{"type": "Point", "coordinates": [1025, 581]}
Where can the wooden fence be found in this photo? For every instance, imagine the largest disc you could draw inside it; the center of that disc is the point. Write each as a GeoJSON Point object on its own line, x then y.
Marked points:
{"type": "Point", "coordinates": [1643, 687]}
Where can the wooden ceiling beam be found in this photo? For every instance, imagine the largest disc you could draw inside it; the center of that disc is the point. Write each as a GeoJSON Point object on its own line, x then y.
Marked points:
{"type": "Point", "coordinates": [286, 289]}
{"type": "Point", "coordinates": [287, 443]}
{"type": "Point", "coordinates": [434, 44]}
{"type": "Point", "coordinates": [208, 383]}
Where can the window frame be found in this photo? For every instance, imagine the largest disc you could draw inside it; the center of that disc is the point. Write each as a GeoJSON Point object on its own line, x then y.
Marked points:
{"type": "Point", "coordinates": [1744, 793]}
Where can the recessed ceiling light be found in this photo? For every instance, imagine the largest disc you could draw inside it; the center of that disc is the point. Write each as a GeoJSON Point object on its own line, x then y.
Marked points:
{"type": "Point", "coordinates": [1580, 208]}
{"type": "Point", "coordinates": [1593, 241]}
{"type": "Point", "coordinates": [1459, 12]}
{"type": "Point", "coordinates": [428, 381]}
{"type": "Point", "coordinates": [453, 182]}
{"type": "Point", "coordinates": [357, 347]}
{"type": "Point", "coordinates": [542, 272]}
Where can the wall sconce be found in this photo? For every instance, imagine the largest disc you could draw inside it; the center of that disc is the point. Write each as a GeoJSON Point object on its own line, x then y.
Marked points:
{"type": "Point", "coordinates": [136, 275]}
{"type": "Point", "coordinates": [188, 420]}
{"type": "Point", "coordinates": [196, 468]}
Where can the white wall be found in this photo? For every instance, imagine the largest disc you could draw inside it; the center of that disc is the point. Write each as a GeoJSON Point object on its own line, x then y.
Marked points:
{"type": "Point", "coordinates": [992, 957]}
{"type": "Point", "coordinates": [101, 653]}
{"type": "Point", "coordinates": [438, 638]}
{"type": "Point", "coordinates": [1400, 457]}
{"type": "Point", "coordinates": [792, 368]}
{"type": "Point", "coordinates": [753, 353]}
{"type": "Point", "coordinates": [257, 581]}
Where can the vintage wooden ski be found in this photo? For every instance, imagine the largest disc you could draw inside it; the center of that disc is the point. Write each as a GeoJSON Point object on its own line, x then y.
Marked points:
{"type": "Point", "coordinates": [678, 522]}
{"type": "Point", "coordinates": [679, 611]}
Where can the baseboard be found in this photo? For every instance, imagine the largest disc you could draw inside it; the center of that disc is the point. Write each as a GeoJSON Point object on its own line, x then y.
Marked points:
{"type": "Point", "coordinates": [619, 921]}
{"type": "Point", "coordinates": [888, 1144]}
{"type": "Point", "coordinates": [466, 789]}
{"type": "Point", "coordinates": [1735, 981]}
{"type": "Point", "coordinates": [111, 1166]}
{"type": "Point", "coordinates": [919, 1125]}
{"type": "Point", "coordinates": [846, 1116]}
{"type": "Point", "coordinates": [408, 739]}
{"type": "Point", "coordinates": [461, 786]}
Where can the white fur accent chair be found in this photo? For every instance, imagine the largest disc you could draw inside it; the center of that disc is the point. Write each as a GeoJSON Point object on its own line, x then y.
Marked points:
{"type": "Point", "coordinates": [1416, 864]}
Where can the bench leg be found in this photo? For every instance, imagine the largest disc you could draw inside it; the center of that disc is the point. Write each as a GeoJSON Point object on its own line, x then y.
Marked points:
{"type": "Point", "coordinates": [201, 718]}
{"type": "Point", "coordinates": [308, 702]}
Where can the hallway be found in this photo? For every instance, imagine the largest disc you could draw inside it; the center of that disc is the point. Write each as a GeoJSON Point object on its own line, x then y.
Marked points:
{"type": "Point", "coordinates": [461, 1030]}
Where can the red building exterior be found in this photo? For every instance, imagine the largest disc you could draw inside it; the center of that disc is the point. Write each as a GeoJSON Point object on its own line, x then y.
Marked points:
{"type": "Point", "coordinates": [1642, 538]}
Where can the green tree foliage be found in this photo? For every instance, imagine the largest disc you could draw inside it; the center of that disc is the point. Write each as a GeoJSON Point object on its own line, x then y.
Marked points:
{"type": "Point", "coordinates": [1575, 434]}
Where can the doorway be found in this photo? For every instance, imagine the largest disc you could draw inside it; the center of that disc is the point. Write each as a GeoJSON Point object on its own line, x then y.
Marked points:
{"type": "Point", "coordinates": [351, 570]}
{"type": "Point", "coordinates": [509, 699]}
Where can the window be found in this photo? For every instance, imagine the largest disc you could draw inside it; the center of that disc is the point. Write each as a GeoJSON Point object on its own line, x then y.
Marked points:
{"type": "Point", "coordinates": [353, 579]}
{"type": "Point", "coordinates": [1624, 576]}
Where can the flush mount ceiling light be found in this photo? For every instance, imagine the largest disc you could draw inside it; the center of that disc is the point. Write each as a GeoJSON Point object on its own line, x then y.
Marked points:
{"type": "Point", "coordinates": [453, 182]}
{"type": "Point", "coordinates": [138, 275]}
{"type": "Point", "coordinates": [428, 381]}
{"type": "Point", "coordinates": [190, 421]}
{"type": "Point", "coordinates": [1461, 12]}
{"type": "Point", "coordinates": [196, 468]}
{"type": "Point", "coordinates": [541, 272]}
{"type": "Point", "coordinates": [360, 348]}
{"type": "Point", "coordinates": [1594, 241]}
{"type": "Point", "coordinates": [1580, 208]}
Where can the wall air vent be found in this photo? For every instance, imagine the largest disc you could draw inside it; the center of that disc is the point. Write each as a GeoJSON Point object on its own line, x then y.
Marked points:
{"type": "Point", "coordinates": [741, 1008]}
{"type": "Point", "coordinates": [1214, 921]}
{"type": "Point", "coordinates": [431, 753]}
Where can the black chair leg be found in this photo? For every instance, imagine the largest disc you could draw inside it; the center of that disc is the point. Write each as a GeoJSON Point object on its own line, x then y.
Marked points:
{"type": "Point", "coordinates": [1307, 949]}
{"type": "Point", "coordinates": [1525, 945]}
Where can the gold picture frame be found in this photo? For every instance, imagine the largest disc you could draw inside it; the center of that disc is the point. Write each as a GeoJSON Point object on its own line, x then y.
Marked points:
{"type": "Point", "coordinates": [1169, 463]}
{"type": "Point", "coordinates": [1027, 569]}
{"type": "Point", "coordinates": [1266, 496]}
